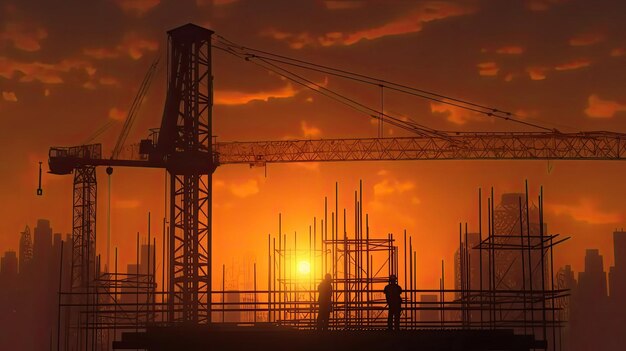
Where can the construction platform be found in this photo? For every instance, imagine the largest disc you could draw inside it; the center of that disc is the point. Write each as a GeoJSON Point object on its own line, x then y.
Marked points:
{"type": "Point", "coordinates": [271, 338]}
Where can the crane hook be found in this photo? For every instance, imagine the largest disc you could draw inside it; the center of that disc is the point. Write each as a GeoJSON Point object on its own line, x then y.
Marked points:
{"type": "Point", "coordinates": [39, 190]}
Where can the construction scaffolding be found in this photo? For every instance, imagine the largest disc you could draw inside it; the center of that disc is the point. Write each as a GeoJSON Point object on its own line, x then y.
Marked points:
{"type": "Point", "coordinates": [504, 280]}
{"type": "Point", "coordinates": [507, 278]}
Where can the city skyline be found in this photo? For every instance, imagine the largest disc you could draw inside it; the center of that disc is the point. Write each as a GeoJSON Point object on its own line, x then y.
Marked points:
{"type": "Point", "coordinates": [540, 75]}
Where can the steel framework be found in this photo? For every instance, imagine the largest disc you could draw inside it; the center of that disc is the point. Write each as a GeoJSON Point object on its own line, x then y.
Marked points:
{"type": "Point", "coordinates": [83, 266]}
{"type": "Point", "coordinates": [458, 146]}
{"type": "Point", "coordinates": [184, 147]}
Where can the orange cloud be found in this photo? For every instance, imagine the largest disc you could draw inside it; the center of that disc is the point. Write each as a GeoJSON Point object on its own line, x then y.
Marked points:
{"type": "Point", "coordinates": [108, 81]}
{"type": "Point", "coordinates": [245, 189]}
{"type": "Point", "coordinates": [412, 22]}
{"type": "Point", "coordinates": [9, 96]}
{"type": "Point", "coordinates": [44, 72]}
{"type": "Point", "coordinates": [537, 72]}
{"type": "Point", "coordinates": [135, 46]}
{"type": "Point", "coordinates": [137, 7]}
{"type": "Point", "coordinates": [342, 5]}
{"type": "Point", "coordinates": [571, 65]}
{"type": "Point", "coordinates": [101, 53]}
{"type": "Point", "coordinates": [586, 39]}
{"type": "Point", "coordinates": [488, 69]}
{"type": "Point", "coordinates": [586, 211]}
{"type": "Point", "coordinates": [454, 114]}
{"type": "Point", "coordinates": [542, 5]}
{"type": "Point", "coordinates": [22, 36]}
{"type": "Point", "coordinates": [132, 45]}
{"type": "Point", "coordinates": [295, 41]}
{"type": "Point", "coordinates": [599, 108]}
{"type": "Point", "coordinates": [523, 114]}
{"type": "Point", "coordinates": [393, 186]}
{"type": "Point", "coordinates": [309, 131]}
{"type": "Point", "coordinates": [510, 50]}
{"type": "Point", "coordinates": [117, 114]}
{"type": "Point", "coordinates": [618, 52]}
{"type": "Point", "coordinates": [242, 98]}
{"type": "Point", "coordinates": [391, 197]}
{"type": "Point", "coordinates": [89, 85]}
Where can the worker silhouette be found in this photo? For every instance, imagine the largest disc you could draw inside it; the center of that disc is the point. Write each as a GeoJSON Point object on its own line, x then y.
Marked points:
{"type": "Point", "coordinates": [393, 293]}
{"type": "Point", "coordinates": [324, 300]}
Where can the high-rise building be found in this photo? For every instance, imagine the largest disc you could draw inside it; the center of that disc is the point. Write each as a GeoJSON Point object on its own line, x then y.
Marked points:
{"type": "Point", "coordinates": [619, 247]}
{"type": "Point", "coordinates": [42, 247]}
{"type": "Point", "coordinates": [26, 252]}
{"type": "Point", "coordinates": [590, 310]}
{"type": "Point", "coordinates": [8, 265]}
{"type": "Point", "coordinates": [617, 273]}
{"type": "Point", "coordinates": [592, 286]}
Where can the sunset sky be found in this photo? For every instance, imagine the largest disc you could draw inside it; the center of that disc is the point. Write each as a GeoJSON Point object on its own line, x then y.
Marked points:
{"type": "Point", "coordinates": [67, 68]}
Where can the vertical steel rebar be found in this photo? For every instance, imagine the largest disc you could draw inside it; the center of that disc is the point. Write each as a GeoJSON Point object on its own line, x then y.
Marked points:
{"type": "Point", "coordinates": [521, 231]}
{"type": "Point", "coordinates": [480, 256]}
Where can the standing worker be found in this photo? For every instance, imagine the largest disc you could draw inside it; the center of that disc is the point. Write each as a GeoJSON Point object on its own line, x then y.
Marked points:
{"type": "Point", "coordinates": [393, 293]}
{"type": "Point", "coordinates": [324, 300]}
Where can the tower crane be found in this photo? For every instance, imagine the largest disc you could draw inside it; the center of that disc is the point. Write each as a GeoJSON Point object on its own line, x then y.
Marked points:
{"type": "Point", "coordinates": [184, 146]}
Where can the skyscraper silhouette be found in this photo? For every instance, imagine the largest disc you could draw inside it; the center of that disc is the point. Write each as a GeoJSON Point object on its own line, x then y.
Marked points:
{"type": "Point", "coordinates": [617, 273]}
{"type": "Point", "coordinates": [26, 252]}
{"type": "Point", "coordinates": [590, 310]}
{"type": "Point", "coordinates": [592, 282]}
{"type": "Point", "coordinates": [8, 266]}
{"type": "Point", "coordinates": [42, 247]}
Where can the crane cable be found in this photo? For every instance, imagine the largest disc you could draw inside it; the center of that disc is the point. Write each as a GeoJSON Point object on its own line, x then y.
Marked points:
{"type": "Point", "coordinates": [251, 54]}
{"type": "Point", "coordinates": [132, 112]}
{"type": "Point", "coordinates": [330, 94]}
{"type": "Point", "coordinates": [408, 124]}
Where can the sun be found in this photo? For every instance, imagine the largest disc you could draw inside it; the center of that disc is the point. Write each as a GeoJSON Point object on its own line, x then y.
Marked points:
{"type": "Point", "coordinates": [304, 267]}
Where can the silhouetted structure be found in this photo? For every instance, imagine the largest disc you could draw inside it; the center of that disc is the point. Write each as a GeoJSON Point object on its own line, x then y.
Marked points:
{"type": "Point", "coordinates": [8, 266]}
{"type": "Point", "coordinates": [28, 291]}
{"type": "Point", "coordinates": [324, 302]}
{"type": "Point", "coordinates": [26, 252]}
{"type": "Point", "coordinates": [596, 312]}
{"type": "Point", "coordinates": [42, 247]}
{"type": "Point", "coordinates": [617, 273]}
{"type": "Point", "coordinates": [592, 282]}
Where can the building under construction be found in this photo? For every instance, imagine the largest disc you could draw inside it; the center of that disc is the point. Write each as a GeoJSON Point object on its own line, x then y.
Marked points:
{"type": "Point", "coordinates": [512, 305]}
{"type": "Point", "coordinates": [504, 295]}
